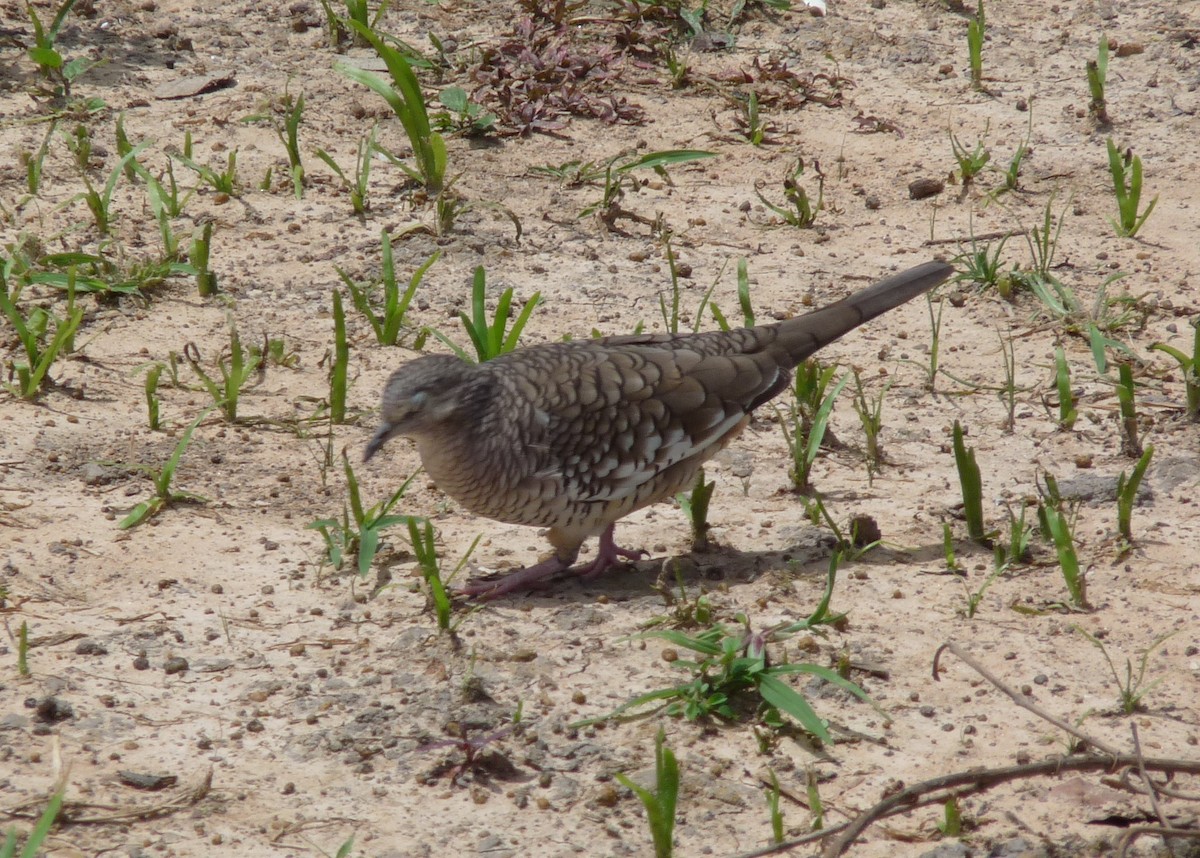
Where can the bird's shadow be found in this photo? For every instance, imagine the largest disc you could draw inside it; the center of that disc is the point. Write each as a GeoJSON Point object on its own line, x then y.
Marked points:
{"type": "Point", "coordinates": [808, 557]}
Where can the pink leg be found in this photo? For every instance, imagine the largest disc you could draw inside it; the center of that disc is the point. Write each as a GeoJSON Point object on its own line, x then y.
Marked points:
{"type": "Point", "coordinates": [533, 576]}
{"type": "Point", "coordinates": [608, 554]}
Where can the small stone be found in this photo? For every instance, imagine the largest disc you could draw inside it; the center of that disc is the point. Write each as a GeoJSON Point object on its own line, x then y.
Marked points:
{"type": "Point", "coordinates": [923, 188]}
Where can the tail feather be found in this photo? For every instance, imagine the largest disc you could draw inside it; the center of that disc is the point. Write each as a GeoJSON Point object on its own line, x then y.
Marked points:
{"type": "Point", "coordinates": [802, 336]}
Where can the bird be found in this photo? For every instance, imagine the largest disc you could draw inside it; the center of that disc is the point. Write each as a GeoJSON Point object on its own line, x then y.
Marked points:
{"type": "Point", "coordinates": [573, 436]}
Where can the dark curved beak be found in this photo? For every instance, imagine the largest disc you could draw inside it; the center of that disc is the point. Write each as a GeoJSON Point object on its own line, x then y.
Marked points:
{"type": "Point", "coordinates": [382, 434]}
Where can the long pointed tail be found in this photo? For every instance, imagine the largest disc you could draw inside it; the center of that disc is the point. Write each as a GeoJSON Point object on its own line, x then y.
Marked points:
{"type": "Point", "coordinates": [802, 336]}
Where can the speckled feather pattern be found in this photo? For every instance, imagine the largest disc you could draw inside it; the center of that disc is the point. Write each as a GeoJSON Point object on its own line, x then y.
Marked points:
{"type": "Point", "coordinates": [574, 436]}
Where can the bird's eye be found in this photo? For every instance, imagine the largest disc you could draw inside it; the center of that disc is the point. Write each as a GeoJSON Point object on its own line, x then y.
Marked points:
{"type": "Point", "coordinates": [419, 399]}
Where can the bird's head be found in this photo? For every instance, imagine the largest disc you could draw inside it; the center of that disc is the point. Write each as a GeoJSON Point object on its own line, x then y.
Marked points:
{"type": "Point", "coordinates": [420, 397]}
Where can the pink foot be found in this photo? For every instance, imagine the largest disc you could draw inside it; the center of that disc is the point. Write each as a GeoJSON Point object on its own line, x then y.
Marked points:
{"type": "Point", "coordinates": [523, 579]}
{"type": "Point", "coordinates": [536, 575]}
{"type": "Point", "coordinates": [608, 554]}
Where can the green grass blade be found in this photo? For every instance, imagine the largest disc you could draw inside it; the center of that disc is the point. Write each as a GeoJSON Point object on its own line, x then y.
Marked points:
{"type": "Point", "coordinates": [786, 699]}
{"type": "Point", "coordinates": [163, 483]}
{"type": "Point", "coordinates": [817, 434]}
{"type": "Point", "coordinates": [141, 512]}
{"type": "Point", "coordinates": [665, 158]}
{"type": "Point", "coordinates": [495, 332]}
{"type": "Point", "coordinates": [510, 342]}
{"type": "Point", "coordinates": [40, 831]}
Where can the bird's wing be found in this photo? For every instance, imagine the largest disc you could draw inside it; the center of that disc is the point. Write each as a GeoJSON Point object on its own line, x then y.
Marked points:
{"type": "Point", "coordinates": [618, 416]}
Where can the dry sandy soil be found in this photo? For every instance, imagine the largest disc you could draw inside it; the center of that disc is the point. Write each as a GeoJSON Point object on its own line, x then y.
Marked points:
{"type": "Point", "coordinates": [308, 700]}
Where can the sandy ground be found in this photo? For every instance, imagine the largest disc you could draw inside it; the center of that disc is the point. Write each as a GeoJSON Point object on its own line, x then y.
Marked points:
{"type": "Point", "coordinates": [309, 700]}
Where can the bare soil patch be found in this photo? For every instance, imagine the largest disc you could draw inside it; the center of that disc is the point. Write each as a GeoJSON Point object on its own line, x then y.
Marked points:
{"type": "Point", "coordinates": [307, 702]}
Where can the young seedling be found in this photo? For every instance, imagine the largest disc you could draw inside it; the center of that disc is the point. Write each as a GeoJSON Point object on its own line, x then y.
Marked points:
{"type": "Point", "coordinates": [970, 161]}
{"type": "Point", "coordinates": [1097, 74]}
{"type": "Point", "coordinates": [1067, 411]}
{"type": "Point", "coordinates": [975, 597]}
{"type": "Point", "coordinates": [79, 144]}
{"type": "Point", "coordinates": [798, 210]}
{"type": "Point", "coordinates": [206, 278]}
{"type": "Point", "coordinates": [808, 420]}
{"type": "Point", "coordinates": [276, 352]}
{"type": "Point", "coordinates": [695, 507]}
{"type": "Point", "coordinates": [389, 319]}
{"type": "Point", "coordinates": [744, 301]}
{"type": "Point", "coordinates": [948, 554]}
{"type": "Point", "coordinates": [424, 542]}
{"type": "Point", "coordinates": [870, 417]}
{"type": "Point", "coordinates": [677, 67]}
{"type": "Point", "coordinates": [1004, 557]}
{"type": "Point", "coordinates": [33, 330]}
{"type": "Point", "coordinates": [816, 806]}
{"type": "Point", "coordinates": [981, 265]}
{"type": "Point", "coordinates": [670, 316]}
{"type": "Point", "coordinates": [975, 33]}
{"type": "Point", "coordinates": [1012, 175]}
{"type": "Point", "coordinates": [462, 116]}
{"type": "Point", "coordinates": [52, 66]}
{"type": "Point", "coordinates": [733, 670]}
{"type": "Point", "coordinates": [1127, 489]}
{"type": "Point", "coordinates": [1016, 550]}
{"type": "Point", "coordinates": [1189, 365]}
{"type": "Point", "coordinates": [124, 147]}
{"type": "Point", "coordinates": [1130, 445]}
{"type": "Point", "coordinates": [490, 340]}
{"type": "Point", "coordinates": [358, 189]}
{"type": "Point", "coordinates": [773, 809]}
{"type": "Point", "coordinates": [1054, 525]}
{"type": "Point", "coordinates": [35, 161]}
{"type": "Point", "coordinates": [1008, 393]}
{"type": "Point", "coordinates": [951, 823]}
{"type": "Point", "coordinates": [743, 278]}
{"type": "Point", "coordinates": [234, 374]}
{"type": "Point", "coordinates": [358, 531]}
{"type": "Point", "coordinates": [573, 174]}
{"type": "Point", "coordinates": [339, 368]}
{"type": "Point", "coordinates": [1131, 689]}
{"type": "Point", "coordinates": [403, 96]}
{"type": "Point", "coordinates": [23, 651]}
{"type": "Point", "coordinates": [617, 176]}
{"type": "Point", "coordinates": [288, 132]}
{"type": "Point", "coordinates": [1043, 240]}
{"type": "Point", "coordinates": [166, 188]}
{"type": "Point", "coordinates": [1126, 173]}
{"type": "Point", "coordinates": [225, 182]}
{"type": "Point", "coordinates": [972, 488]}
{"type": "Point", "coordinates": [152, 400]}
{"type": "Point", "coordinates": [935, 342]}
{"type": "Point", "coordinates": [164, 495]}
{"type": "Point", "coordinates": [751, 124]}
{"type": "Point", "coordinates": [473, 748]}
{"type": "Point", "coordinates": [160, 205]}
{"type": "Point", "coordinates": [659, 804]}
{"type": "Point", "coordinates": [99, 202]}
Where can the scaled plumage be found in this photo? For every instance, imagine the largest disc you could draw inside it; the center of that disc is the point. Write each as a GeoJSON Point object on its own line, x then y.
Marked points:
{"type": "Point", "coordinates": [574, 436]}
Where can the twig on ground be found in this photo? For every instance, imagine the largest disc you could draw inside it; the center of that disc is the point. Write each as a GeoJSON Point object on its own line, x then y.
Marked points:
{"type": "Point", "coordinates": [938, 790]}
{"type": "Point", "coordinates": [1020, 699]}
